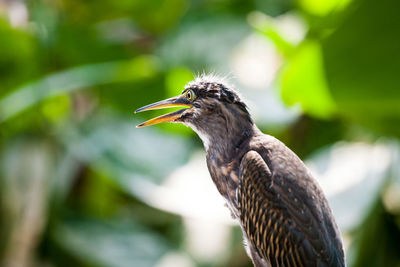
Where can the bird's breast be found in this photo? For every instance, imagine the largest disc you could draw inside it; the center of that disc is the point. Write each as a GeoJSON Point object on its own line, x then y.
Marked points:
{"type": "Point", "coordinates": [225, 176]}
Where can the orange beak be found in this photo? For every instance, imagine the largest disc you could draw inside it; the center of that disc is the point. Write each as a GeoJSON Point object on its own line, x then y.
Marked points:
{"type": "Point", "coordinates": [178, 101]}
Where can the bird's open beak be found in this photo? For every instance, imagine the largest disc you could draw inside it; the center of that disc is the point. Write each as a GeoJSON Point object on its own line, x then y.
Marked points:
{"type": "Point", "coordinates": [178, 101]}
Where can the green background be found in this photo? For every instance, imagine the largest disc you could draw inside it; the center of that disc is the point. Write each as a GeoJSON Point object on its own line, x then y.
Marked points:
{"type": "Point", "coordinates": [81, 186]}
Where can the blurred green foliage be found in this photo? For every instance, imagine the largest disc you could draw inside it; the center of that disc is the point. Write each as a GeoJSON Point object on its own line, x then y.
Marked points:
{"type": "Point", "coordinates": [77, 180]}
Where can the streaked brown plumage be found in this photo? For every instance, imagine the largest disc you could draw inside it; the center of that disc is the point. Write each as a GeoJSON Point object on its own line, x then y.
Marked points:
{"type": "Point", "coordinates": [283, 213]}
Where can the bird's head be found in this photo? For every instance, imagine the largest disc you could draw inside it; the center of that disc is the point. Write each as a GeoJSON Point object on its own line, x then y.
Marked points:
{"type": "Point", "coordinates": [209, 107]}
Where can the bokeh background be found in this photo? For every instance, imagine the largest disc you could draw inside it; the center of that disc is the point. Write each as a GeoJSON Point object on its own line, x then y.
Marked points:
{"type": "Point", "coordinates": [81, 186]}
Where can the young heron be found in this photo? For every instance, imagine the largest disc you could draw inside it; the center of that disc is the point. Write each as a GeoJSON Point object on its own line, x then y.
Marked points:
{"type": "Point", "coordinates": [283, 213]}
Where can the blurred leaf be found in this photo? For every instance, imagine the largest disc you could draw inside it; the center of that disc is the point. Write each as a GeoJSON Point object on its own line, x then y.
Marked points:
{"type": "Point", "coordinates": [377, 239]}
{"type": "Point", "coordinates": [75, 79]}
{"type": "Point", "coordinates": [354, 171]}
{"type": "Point", "coordinates": [303, 81]}
{"type": "Point", "coordinates": [273, 7]}
{"type": "Point", "coordinates": [322, 8]}
{"type": "Point", "coordinates": [45, 16]}
{"type": "Point", "coordinates": [17, 48]}
{"type": "Point", "coordinates": [158, 15]}
{"type": "Point", "coordinates": [308, 135]}
{"type": "Point", "coordinates": [109, 243]}
{"type": "Point", "coordinates": [115, 146]}
{"type": "Point", "coordinates": [56, 107]}
{"type": "Point", "coordinates": [140, 67]}
{"type": "Point", "coordinates": [202, 42]}
{"type": "Point", "coordinates": [342, 69]}
{"type": "Point", "coordinates": [267, 27]}
{"type": "Point", "coordinates": [362, 63]}
{"type": "Point", "coordinates": [176, 80]}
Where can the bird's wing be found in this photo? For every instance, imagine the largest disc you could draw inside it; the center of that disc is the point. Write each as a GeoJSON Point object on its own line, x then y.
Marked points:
{"type": "Point", "coordinates": [279, 226]}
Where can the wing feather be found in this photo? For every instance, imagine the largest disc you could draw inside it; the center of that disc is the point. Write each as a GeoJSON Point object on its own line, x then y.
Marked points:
{"type": "Point", "coordinates": [278, 219]}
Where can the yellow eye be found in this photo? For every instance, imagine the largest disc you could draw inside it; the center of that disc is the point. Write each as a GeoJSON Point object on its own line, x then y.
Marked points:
{"type": "Point", "coordinates": [190, 95]}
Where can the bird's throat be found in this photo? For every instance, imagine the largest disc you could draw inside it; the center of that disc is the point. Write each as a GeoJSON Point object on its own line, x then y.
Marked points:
{"type": "Point", "coordinates": [224, 140]}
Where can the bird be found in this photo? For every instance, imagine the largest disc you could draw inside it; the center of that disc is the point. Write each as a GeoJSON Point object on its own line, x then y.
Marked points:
{"type": "Point", "coordinates": [282, 211]}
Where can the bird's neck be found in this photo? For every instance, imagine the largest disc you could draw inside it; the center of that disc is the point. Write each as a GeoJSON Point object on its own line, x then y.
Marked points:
{"type": "Point", "coordinates": [225, 144]}
{"type": "Point", "coordinates": [223, 140]}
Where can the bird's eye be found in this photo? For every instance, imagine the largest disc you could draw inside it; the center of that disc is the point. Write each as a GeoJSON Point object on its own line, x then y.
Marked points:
{"type": "Point", "coordinates": [190, 95]}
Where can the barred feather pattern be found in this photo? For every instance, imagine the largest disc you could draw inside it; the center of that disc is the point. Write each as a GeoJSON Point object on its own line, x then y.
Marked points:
{"type": "Point", "coordinates": [279, 227]}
